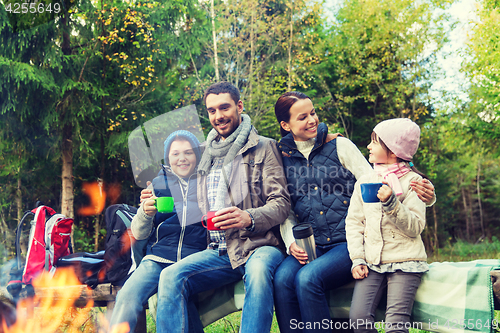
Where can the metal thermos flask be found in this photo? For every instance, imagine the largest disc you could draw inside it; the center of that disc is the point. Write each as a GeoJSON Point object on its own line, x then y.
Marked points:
{"type": "Point", "coordinates": [304, 237]}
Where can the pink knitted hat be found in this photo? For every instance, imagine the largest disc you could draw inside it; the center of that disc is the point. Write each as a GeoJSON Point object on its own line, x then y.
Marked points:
{"type": "Point", "coordinates": [400, 135]}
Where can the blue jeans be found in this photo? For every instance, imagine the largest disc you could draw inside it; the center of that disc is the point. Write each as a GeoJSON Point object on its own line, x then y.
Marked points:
{"type": "Point", "coordinates": [299, 290]}
{"type": "Point", "coordinates": [207, 270]}
{"type": "Point", "coordinates": [134, 295]}
{"type": "Point", "coordinates": [142, 284]}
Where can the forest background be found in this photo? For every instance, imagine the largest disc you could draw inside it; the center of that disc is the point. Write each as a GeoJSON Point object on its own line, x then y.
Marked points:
{"type": "Point", "coordinates": [75, 84]}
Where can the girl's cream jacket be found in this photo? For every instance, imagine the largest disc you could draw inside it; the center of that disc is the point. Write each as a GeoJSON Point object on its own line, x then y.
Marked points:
{"type": "Point", "coordinates": [382, 235]}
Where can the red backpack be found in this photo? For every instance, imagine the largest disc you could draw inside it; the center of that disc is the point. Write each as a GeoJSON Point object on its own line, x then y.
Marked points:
{"type": "Point", "coordinates": [48, 241]}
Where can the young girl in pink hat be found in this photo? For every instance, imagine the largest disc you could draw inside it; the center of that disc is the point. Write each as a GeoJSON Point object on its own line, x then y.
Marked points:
{"type": "Point", "coordinates": [383, 238]}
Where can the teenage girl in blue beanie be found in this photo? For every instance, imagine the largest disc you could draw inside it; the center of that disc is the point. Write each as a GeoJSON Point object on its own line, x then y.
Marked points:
{"type": "Point", "coordinates": [171, 236]}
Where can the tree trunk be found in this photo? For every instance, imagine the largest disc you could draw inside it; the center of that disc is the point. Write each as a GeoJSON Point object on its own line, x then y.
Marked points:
{"type": "Point", "coordinates": [481, 220]}
{"type": "Point", "coordinates": [5, 233]}
{"type": "Point", "coordinates": [216, 59]}
{"type": "Point", "coordinates": [290, 50]}
{"type": "Point", "coordinates": [252, 56]}
{"type": "Point", "coordinates": [100, 181]}
{"type": "Point", "coordinates": [466, 213]}
{"type": "Point", "coordinates": [435, 244]}
{"type": "Point", "coordinates": [67, 197]}
{"type": "Point", "coordinates": [471, 216]}
{"type": "Point", "coordinates": [19, 197]}
{"type": "Point", "coordinates": [98, 218]}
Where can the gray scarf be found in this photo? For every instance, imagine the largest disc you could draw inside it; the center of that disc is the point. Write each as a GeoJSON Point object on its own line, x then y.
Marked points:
{"type": "Point", "coordinates": [228, 147]}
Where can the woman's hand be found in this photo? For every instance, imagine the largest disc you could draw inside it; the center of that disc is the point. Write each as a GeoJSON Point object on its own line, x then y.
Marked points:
{"type": "Point", "coordinates": [149, 206]}
{"type": "Point", "coordinates": [424, 190]}
{"type": "Point", "coordinates": [360, 272]}
{"type": "Point", "coordinates": [298, 253]}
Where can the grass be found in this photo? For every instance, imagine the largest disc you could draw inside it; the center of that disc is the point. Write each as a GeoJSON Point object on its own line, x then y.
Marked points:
{"type": "Point", "coordinates": [231, 324]}
{"type": "Point", "coordinates": [465, 251]}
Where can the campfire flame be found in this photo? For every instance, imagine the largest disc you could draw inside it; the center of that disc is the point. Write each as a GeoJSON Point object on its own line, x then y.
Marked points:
{"type": "Point", "coordinates": [55, 310]}
{"type": "Point", "coordinates": [54, 307]}
{"type": "Point", "coordinates": [97, 199]}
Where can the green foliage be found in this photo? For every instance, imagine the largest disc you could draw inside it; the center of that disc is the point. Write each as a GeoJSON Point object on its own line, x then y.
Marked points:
{"type": "Point", "coordinates": [105, 68]}
{"type": "Point", "coordinates": [483, 70]}
{"type": "Point", "coordinates": [373, 63]}
{"type": "Point", "coordinates": [82, 240]}
{"type": "Point", "coordinates": [465, 251]}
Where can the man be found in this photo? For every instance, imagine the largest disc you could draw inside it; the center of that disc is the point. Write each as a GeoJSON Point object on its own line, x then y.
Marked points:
{"type": "Point", "coordinates": [241, 178]}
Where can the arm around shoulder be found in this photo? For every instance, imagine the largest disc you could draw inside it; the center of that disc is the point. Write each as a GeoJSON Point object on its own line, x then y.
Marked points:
{"type": "Point", "coordinates": [274, 191]}
{"type": "Point", "coordinates": [351, 158]}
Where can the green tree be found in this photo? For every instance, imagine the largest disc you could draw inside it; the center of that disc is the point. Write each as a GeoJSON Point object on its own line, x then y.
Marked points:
{"type": "Point", "coordinates": [76, 84]}
{"type": "Point", "coordinates": [258, 42]}
{"type": "Point", "coordinates": [483, 71]}
{"type": "Point", "coordinates": [374, 62]}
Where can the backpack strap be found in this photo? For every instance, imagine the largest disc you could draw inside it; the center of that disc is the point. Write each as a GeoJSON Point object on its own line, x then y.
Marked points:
{"type": "Point", "coordinates": [125, 220]}
{"type": "Point", "coordinates": [330, 137]}
{"type": "Point", "coordinates": [18, 237]}
{"type": "Point", "coordinates": [47, 256]}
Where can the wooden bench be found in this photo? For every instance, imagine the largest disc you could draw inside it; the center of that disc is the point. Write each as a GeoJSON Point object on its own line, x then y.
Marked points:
{"type": "Point", "coordinates": [105, 294]}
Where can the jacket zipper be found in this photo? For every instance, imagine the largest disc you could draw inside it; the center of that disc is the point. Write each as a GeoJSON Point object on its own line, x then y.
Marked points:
{"type": "Point", "coordinates": [157, 237]}
{"type": "Point", "coordinates": [184, 219]}
{"type": "Point", "coordinates": [159, 225]}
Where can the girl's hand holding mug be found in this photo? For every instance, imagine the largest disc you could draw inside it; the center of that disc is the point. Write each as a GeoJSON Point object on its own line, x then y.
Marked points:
{"type": "Point", "coordinates": [298, 253]}
{"type": "Point", "coordinates": [147, 192]}
{"type": "Point", "coordinates": [149, 206]}
{"type": "Point", "coordinates": [360, 272]}
{"type": "Point", "coordinates": [384, 192]}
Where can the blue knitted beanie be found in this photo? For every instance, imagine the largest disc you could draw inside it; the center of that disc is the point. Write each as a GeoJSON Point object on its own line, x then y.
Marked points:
{"type": "Point", "coordinates": [185, 135]}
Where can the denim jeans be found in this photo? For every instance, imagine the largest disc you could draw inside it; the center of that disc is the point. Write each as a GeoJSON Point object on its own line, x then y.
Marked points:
{"type": "Point", "coordinates": [400, 288]}
{"type": "Point", "coordinates": [206, 270]}
{"type": "Point", "coordinates": [135, 293]}
{"type": "Point", "coordinates": [140, 286]}
{"type": "Point", "coordinates": [300, 290]}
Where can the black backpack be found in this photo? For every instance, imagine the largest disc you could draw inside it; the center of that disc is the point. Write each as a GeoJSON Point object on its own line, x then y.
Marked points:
{"type": "Point", "coordinates": [121, 258]}
{"type": "Point", "coordinates": [88, 266]}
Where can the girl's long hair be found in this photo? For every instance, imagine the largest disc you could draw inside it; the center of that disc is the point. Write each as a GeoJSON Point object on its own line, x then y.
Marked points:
{"type": "Point", "coordinates": [413, 168]}
{"type": "Point", "coordinates": [283, 105]}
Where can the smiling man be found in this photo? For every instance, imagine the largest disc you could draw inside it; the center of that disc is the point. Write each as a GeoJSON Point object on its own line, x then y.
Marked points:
{"type": "Point", "coordinates": [241, 178]}
{"type": "Point", "coordinates": [224, 113]}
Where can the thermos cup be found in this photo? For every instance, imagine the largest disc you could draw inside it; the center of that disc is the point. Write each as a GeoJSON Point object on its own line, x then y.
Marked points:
{"type": "Point", "coordinates": [304, 237]}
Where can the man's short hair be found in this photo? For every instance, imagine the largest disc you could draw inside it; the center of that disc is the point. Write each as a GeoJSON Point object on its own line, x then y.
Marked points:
{"type": "Point", "coordinates": [223, 87]}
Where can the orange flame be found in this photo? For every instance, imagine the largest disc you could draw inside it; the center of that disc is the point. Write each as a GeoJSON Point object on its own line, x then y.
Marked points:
{"type": "Point", "coordinates": [53, 308]}
{"type": "Point", "coordinates": [97, 199]}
